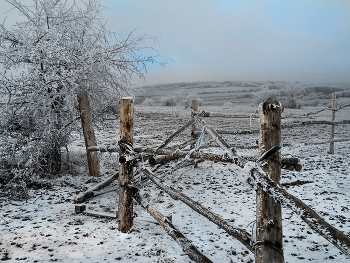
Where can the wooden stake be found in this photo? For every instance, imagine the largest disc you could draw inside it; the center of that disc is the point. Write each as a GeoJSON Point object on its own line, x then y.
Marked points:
{"type": "Point", "coordinates": [268, 212]}
{"type": "Point", "coordinates": [89, 134]}
{"type": "Point", "coordinates": [331, 144]}
{"type": "Point", "coordinates": [195, 108]}
{"type": "Point", "coordinates": [125, 206]}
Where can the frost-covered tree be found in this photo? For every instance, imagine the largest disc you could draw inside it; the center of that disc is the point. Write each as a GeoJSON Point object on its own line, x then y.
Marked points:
{"type": "Point", "coordinates": [57, 50]}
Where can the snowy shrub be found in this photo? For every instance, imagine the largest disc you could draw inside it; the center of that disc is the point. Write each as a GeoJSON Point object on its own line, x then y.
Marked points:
{"type": "Point", "coordinates": [168, 101]}
{"type": "Point", "coordinates": [265, 93]}
{"type": "Point", "coordinates": [15, 186]}
{"type": "Point", "coordinates": [249, 84]}
{"type": "Point", "coordinates": [315, 103]}
{"type": "Point", "coordinates": [148, 102]}
{"type": "Point", "coordinates": [291, 103]}
{"type": "Point", "coordinates": [15, 191]}
{"type": "Point", "coordinates": [228, 105]}
{"type": "Point", "coordinates": [190, 97]}
{"type": "Point", "coordinates": [345, 93]}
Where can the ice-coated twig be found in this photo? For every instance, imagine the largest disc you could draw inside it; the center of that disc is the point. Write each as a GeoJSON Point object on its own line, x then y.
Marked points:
{"type": "Point", "coordinates": [218, 139]}
{"type": "Point", "coordinates": [198, 143]}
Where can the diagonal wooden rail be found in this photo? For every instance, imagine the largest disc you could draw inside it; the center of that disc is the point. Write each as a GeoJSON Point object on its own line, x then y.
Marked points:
{"type": "Point", "coordinates": [191, 251]}
{"type": "Point", "coordinates": [218, 139]}
{"type": "Point", "coordinates": [308, 215]}
{"type": "Point", "coordinates": [171, 137]}
{"type": "Point", "coordinates": [240, 234]}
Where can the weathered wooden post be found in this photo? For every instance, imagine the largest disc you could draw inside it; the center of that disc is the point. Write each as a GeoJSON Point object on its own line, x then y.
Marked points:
{"type": "Point", "coordinates": [89, 134]}
{"type": "Point", "coordinates": [268, 212]}
{"type": "Point", "coordinates": [331, 144]}
{"type": "Point", "coordinates": [194, 108]}
{"type": "Point", "coordinates": [125, 206]}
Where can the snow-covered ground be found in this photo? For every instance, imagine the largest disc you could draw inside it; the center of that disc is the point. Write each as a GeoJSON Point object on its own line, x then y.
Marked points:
{"type": "Point", "coordinates": [46, 228]}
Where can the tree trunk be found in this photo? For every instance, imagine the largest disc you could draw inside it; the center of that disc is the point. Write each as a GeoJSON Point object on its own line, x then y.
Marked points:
{"type": "Point", "coordinates": [52, 161]}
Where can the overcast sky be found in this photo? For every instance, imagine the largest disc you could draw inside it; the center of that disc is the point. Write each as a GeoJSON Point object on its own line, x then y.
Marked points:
{"type": "Point", "coordinates": [306, 40]}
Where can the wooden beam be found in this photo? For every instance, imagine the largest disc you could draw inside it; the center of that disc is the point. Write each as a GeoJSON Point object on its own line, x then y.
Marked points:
{"type": "Point", "coordinates": [218, 139]}
{"type": "Point", "coordinates": [325, 142]}
{"type": "Point", "coordinates": [286, 126]}
{"type": "Point", "coordinates": [308, 215]}
{"type": "Point", "coordinates": [240, 234]}
{"type": "Point", "coordinates": [102, 149]}
{"type": "Point", "coordinates": [181, 129]}
{"type": "Point", "coordinates": [99, 215]}
{"type": "Point", "coordinates": [91, 192]}
{"type": "Point", "coordinates": [168, 155]}
{"type": "Point", "coordinates": [191, 251]}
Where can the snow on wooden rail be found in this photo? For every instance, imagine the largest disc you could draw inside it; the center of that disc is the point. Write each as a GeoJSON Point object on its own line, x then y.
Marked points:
{"type": "Point", "coordinates": [285, 126]}
{"type": "Point", "coordinates": [92, 191]}
{"type": "Point", "coordinates": [318, 224]}
{"type": "Point", "coordinates": [329, 141]}
{"type": "Point", "coordinates": [240, 234]}
{"type": "Point", "coordinates": [191, 251]}
{"type": "Point", "coordinates": [308, 215]}
{"type": "Point", "coordinates": [103, 149]}
{"type": "Point", "coordinates": [171, 137]}
{"type": "Point", "coordinates": [168, 155]}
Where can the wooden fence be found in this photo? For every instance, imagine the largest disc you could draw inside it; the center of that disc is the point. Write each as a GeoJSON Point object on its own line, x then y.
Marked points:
{"type": "Point", "coordinates": [332, 122]}
{"type": "Point", "coordinates": [270, 196]}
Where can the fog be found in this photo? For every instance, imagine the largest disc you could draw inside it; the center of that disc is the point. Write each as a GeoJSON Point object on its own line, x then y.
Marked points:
{"type": "Point", "coordinates": [253, 40]}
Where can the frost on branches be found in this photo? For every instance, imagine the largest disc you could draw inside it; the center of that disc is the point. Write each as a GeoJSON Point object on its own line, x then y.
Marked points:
{"type": "Point", "coordinates": [57, 51]}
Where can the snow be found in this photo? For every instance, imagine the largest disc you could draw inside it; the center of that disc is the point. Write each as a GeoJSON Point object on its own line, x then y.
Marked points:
{"type": "Point", "coordinates": [46, 228]}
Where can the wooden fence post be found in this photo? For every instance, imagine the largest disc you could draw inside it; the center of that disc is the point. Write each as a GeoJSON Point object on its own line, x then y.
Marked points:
{"type": "Point", "coordinates": [268, 213]}
{"type": "Point", "coordinates": [89, 134]}
{"type": "Point", "coordinates": [125, 206]}
{"type": "Point", "coordinates": [331, 144]}
{"type": "Point", "coordinates": [195, 108]}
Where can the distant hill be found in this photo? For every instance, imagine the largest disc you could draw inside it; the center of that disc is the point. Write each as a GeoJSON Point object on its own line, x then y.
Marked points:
{"type": "Point", "coordinates": [291, 93]}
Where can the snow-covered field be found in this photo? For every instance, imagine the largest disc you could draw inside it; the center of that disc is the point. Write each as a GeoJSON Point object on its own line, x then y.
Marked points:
{"type": "Point", "coordinates": [46, 228]}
